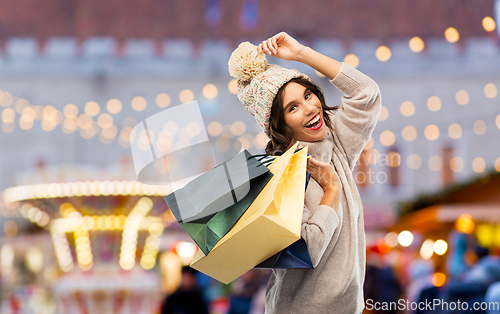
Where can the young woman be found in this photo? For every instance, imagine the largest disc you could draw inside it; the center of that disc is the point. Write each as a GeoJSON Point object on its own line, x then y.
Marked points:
{"type": "Point", "coordinates": [290, 108]}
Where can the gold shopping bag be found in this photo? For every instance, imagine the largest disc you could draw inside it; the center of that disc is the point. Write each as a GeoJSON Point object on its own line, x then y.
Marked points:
{"type": "Point", "coordinates": [271, 223]}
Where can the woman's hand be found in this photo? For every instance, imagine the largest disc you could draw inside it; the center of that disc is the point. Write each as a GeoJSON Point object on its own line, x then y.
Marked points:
{"type": "Point", "coordinates": [282, 46]}
{"type": "Point", "coordinates": [324, 174]}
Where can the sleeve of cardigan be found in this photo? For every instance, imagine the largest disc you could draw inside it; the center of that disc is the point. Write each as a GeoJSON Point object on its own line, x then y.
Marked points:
{"type": "Point", "coordinates": [317, 230]}
{"type": "Point", "coordinates": [358, 114]}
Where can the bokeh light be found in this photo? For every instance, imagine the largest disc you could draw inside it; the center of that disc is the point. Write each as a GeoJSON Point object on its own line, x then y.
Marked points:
{"type": "Point", "coordinates": [105, 120]}
{"type": "Point", "coordinates": [139, 103]}
{"type": "Point", "coordinates": [70, 125]}
{"type": "Point", "coordinates": [393, 159]}
{"type": "Point", "coordinates": [387, 138]}
{"type": "Point", "coordinates": [369, 144]}
{"type": "Point", "coordinates": [489, 24]}
{"type": "Point", "coordinates": [478, 164]}
{"type": "Point", "coordinates": [7, 99]}
{"type": "Point", "coordinates": [427, 249]}
{"type": "Point", "coordinates": [163, 100]}
{"type": "Point", "coordinates": [490, 90]}
{"type": "Point", "coordinates": [440, 247]}
{"type": "Point", "coordinates": [8, 115]}
{"type": "Point", "coordinates": [434, 103]}
{"type": "Point", "coordinates": [10, 228]}
{"type": "Point", "coordinates": [261, 140]}
{"type": "Point", "coordinates": [435, 163]}
{"type": "Point", "coordinates": [383, 53]}
{"type": "Point", "coordinates": [84, 121]}
{"type": "Point", "coordinates": [238, 128]}
{"type": "Point", "coordinates": [455, 131]}
{"type": "Point", "coordinates": [186, 96]}
{"type": "Point", "coordinates": [456, 164]}
{"type": "Point", "coordinates": [384, 114]}
{"type": "Point", "coordinates": [92, 108]}
{"type": "Point", "coordinates": [232, 86]}
{"type": "Point", "coordinates": [451, 35]}
{"type": "Point", "coordinates": [462, 97]}
{"type": "Point", "coordinates": [21, 104]}
{"type": "Point", "coordinates": [414, 161]}
{"type": "Point", "coordinates": [465, 224]}
{"type": "Point", "coordinates": [416, 44]}
{"type": "Point", "coordinates": [70, 111]}
{"type": "Point", "coordinates": [405, 238]}
{"type": "Point", "coordinates": [431, 132]}
{"type": "Point", "coordinates": [114, 106]}
{"type": "Point", "coordinates": [214, 129]}
{"type": "Point", "coordinates": [352, 60]}
{"type": "Point", "coordinates": [391, 239]}
{"type": "Point", "coordinates": [409, 133]}
{"type": "Point", "coordinates": [210, 91]}
{"type": "Point", "coordinates": [438, 279]}
{"type": "Point", "coordinates": [186, 251]}
{"type": "Point", "coordinates": [407, 108]}
{"type": "Point", "coordinates": [479, 127]}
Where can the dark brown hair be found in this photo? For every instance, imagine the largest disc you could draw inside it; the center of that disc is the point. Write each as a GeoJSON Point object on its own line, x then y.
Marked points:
{"type": "Point", "coordinates": [281, 134]}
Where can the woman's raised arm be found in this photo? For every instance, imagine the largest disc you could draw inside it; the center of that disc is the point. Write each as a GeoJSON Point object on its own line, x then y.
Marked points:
{"type": "Point", "coordinates": [286, 47]}
{"type": "Point", "coordinates": [361, 101]}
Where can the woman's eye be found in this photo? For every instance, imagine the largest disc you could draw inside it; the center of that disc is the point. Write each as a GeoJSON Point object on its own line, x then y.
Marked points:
{"type": "Point", "coordinates": [308, 95]}
{"type": "Point", "coordinates": [292, 108]}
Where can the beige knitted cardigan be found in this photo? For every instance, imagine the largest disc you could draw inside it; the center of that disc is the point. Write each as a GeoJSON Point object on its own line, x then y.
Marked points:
{"type": "Point", "coordinates": [335, 237]}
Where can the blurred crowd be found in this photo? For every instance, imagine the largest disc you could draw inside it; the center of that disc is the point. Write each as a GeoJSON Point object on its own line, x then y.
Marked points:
{"type": "Point", "coordinates": [471, 275]}
{"type": "Point", "coordinates": [201, 294]}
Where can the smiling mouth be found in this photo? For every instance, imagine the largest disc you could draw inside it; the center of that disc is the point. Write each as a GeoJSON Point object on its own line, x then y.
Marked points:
{"type": "Point", "coordinates": [314, 122]}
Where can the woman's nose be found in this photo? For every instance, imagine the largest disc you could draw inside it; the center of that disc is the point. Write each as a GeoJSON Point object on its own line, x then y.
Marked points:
{"type": "Point", "coordinates": [308, 108]}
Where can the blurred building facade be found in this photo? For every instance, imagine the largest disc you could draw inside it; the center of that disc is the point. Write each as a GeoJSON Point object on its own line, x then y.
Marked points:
{"type": "Point", "coordinates": [439, 124]}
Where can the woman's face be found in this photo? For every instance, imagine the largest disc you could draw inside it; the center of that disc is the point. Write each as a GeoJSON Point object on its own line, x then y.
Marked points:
{"type": "Point", "coordinates": [303, 113]}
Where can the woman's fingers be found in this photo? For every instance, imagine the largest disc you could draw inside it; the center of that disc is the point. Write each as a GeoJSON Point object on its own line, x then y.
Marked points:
{"type": "Point", "coordinates": [260, 48]}
{"type": "Point", "coordinates": [323, 173]}
{"type": "Point", "coordinates": [271, 46]}
{"type": "Point", "coordinates": [315, 163]}
{"type": "Point", "coordinates": [266, 47]}
{"type": "Point", "coordinates": [275, 44]}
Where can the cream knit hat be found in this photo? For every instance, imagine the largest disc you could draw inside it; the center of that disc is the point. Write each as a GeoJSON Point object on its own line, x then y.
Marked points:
{"type": "Point", "coordinates": [258, 81]}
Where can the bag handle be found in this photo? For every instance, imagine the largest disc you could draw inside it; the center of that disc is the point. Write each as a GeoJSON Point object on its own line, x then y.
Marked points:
{"type": "Point", "coordinates": [269, 161]}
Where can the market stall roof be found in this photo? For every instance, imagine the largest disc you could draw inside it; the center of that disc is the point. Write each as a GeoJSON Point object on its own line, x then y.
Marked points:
{"type": "Point", "coordinates": [436, 217]}
{"type": "Point", "coordinates": [478, 198]}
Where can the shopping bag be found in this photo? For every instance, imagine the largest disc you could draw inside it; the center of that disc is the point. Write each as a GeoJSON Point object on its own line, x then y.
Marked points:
{"type": "Point", "coordinates": [270, 224]}
{"type": "Point", "coordinates": [295, 256]}
{"type": "Point", "coordinates": [210, 205]}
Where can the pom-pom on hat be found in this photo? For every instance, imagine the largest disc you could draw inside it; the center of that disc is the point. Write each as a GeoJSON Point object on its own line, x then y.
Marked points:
{"type": "Point", "coordinates": [258, 82]}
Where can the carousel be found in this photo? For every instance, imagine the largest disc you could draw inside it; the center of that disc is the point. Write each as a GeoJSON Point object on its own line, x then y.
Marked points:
{"type": "Point", "coordinates": [105, 232]}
